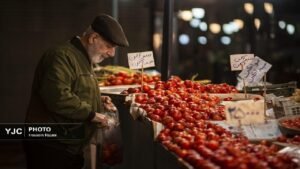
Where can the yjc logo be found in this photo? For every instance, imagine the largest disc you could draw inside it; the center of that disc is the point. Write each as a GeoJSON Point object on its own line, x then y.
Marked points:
{"type": "Point", "coordinates": [14, 131]}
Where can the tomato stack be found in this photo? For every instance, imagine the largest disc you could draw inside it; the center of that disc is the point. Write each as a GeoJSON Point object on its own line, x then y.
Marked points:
{"type": "Point", "coordinates": [124, 78]}
{"type": "Point", "coordinates": [293, 123]}
{"type": "Point", "coordinates": [295, 140]}
{"type": "Point", "coordinates": [184, 107]}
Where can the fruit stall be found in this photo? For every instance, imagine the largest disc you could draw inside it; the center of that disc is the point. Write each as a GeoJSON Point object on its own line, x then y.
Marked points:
{"type": "Point", "coordinates": [176, 124]}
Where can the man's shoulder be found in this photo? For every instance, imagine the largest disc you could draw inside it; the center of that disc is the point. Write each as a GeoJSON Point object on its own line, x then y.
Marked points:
{"type": "Point", "coordinates": [64, 50]}
{"type": "Point", "coordinates": [61, 48]}
{"type": "Point", "coordinates": [63, 53]}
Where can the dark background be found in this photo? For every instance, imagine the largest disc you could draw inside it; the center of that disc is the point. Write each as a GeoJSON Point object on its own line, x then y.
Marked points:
{"type": "Point", "coordinates": [29, 27]}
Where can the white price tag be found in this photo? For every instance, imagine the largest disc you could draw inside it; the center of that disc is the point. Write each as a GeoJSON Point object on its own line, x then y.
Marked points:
{"type": "Point", "coordinates": [255, 70]}
{"type": "Point", "coordinates": [141, 60]}
{"type": "Point", "coordinates": [264, 131]}
{"type": "Point", "coordinates": [237, 60]}
{"type": "Point", "coordinates": [244, 112]}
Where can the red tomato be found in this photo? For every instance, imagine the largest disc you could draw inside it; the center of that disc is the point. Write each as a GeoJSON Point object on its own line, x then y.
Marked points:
{"type": "Point", "coordinates": [140, 98]}
{"type": "Point", "coordinates": [212, 144]}
{"type": "Point", "coordinates": [167, 119]}
{"type": "Point", "coordinates": [158, 112]}
{"type": "Point", "coordinates": [156, 78]}
{"type": "Point", "coordinates": [281, 139]}
{"type": "Point", "coordinates": [146, 88]}
{"type": "Point", "coordinates": [185, 144]}
{"type": "Point", "coordinates": [178, 127]}
{"type": "Point", "coordinates": [154, 117]}
{"type": "Point", "coordinates": [122, 74]}
{"type": "Point", "coordinates": [128, 81]}
{"type": "Point", "coordinates": [177, 115]}
{"type": "Point", "coordinates": [151, 93]}
{"type": "Point", "coordinates": [116, 82]}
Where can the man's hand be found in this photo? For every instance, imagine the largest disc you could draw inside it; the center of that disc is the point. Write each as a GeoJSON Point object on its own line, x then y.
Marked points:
{"type": "Point", "coordinates": [101, 119]}
{"type": "Point", "coordinates": [108, 104]}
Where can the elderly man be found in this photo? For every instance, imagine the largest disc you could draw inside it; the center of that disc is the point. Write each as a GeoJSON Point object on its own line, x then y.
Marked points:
{"type": "Point", "coordinates": [65, 90]}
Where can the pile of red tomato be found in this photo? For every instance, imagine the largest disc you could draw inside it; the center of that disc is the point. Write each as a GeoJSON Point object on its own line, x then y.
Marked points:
{"type": "Point", "coordinates": [206, 145]}
{"type": "Point", "coordinates": [181, 99]}
{"type": "Point", "coordinates": [111, 154]}
{"type": "Point", "coordinates": [291, 123]}
{"type": "Point", "coordinates": [123, 78]}
{"type": "Point", "coordinates": [295, 140]}
{"type": "Point", "coordinates": [183, 108]}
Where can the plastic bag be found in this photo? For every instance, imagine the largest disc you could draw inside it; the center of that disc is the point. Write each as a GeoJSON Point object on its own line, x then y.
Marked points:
{"type": "Point", "coordinates": [111, 153]}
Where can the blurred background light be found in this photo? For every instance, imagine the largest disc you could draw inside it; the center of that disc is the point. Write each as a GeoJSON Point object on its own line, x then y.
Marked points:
{"type": "Point", "coordinates": [232, 27]}
{"type": "Point", "coordinates": [257, 23]}
{"type": "Point", "coordinates": [157, 40]}
{"type": "Point", "coordinates": [203, 26]}
{"type": "Point", "coordinates": [225, 40]}
{"type": "Point", "coordinates": [185, 15]}
{"type": "Point", "coordinates": [227, 29]}
{"type": "Point", "coordinates": [239, 23]}
{"type": "Point", "coordinates": [198, 12]}
{"type": "Point", "coordinates": [281, 24]}
{"type": "Point", "coordinates": [290, 29]}
{"type": "Point", "coordinates": [184, 39]}
{"type": "Point", "coordinates": [268, 7]}
{"type": "Point", "coordinates": [249, 8]}
{"type": "Point", "coordinates": [202, 40]}
{"type": "Point", "coordinates": [195, 23]}
{"type": "Point", "coordinates": [215, 28]}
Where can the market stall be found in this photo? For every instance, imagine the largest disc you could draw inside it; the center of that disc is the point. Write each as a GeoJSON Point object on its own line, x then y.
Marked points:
{"type": "Point", "coordinates": [194, 132]}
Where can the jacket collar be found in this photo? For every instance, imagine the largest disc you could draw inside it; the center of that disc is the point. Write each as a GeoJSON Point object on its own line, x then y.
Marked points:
{"type": "Point", "coordinates": [75, 41]}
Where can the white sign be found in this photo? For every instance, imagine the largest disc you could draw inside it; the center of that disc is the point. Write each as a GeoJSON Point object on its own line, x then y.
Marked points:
{"type": "Point", "coordinates": [255, 70]}
{"type": "Point", "coordinates": [264, 131]}
{"type": "Point", "coordinates": [244, 112]}
{"type": "Point", "coordinates": [240, 61]}
{"type": "Point", "coordinates": [255, 132]}
{"type": "Point", "coordinates": [141, 60]}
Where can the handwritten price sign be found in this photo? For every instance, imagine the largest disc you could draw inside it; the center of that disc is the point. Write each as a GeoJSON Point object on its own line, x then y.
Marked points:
{"type": "Point", "coordinates": [240, 61]}
{"type": "Point", "coordinates": [141, 60]}
{"type": "Point", "coordinates": [255, 70]}
{"type": "Point", "coordinates": [244, 112]}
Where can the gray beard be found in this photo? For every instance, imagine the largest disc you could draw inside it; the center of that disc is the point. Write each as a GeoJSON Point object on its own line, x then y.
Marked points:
{"type": "Point", "coordinates": [97, 59]}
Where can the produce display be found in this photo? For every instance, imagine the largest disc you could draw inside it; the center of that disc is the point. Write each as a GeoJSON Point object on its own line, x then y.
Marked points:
{"type": "Point", "coordinates": [291, 123]}
{"type": "Point", "coordinates": [103, 72]}
{"type": "Point", "coordinates": [178, 99]}
{"type": "Point", "coordinates": [123, 78]}
{"type": "Point", "coordinates": [295, 140]}
{"type": "Point", "coordinates": [184, 107]}
{"type": "Point", "coordinates": [206, 145]}
{"type": "Point", "coordinates": [112, 75]}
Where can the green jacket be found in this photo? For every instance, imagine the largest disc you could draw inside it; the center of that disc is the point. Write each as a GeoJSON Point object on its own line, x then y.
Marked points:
{"type": "Point", "coordinates": [65, 90]}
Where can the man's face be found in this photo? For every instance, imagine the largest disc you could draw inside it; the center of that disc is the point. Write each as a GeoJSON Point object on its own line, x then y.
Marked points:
{"type": "Point", "coordinates": [100, 49]}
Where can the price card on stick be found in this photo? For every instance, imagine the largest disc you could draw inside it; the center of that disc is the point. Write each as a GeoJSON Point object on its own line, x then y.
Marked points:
{"type": "Point", "coordinates": [141, 60]}
{"type": "Point", "coordinates": [244, 112]}
{"type": "Point", "coordinates": [239, 61]}
{"type": "Point", "coordinates": [255, 70]}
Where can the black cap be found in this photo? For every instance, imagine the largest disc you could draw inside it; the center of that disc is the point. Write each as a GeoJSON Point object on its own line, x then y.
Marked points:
{"type": "Point", "coordinates": [110, 30]}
